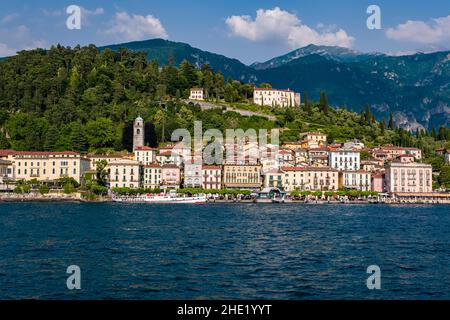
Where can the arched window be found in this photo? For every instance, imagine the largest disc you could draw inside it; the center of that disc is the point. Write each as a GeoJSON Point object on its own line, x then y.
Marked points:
{"type": "Point", "coordinates": [138, 131]}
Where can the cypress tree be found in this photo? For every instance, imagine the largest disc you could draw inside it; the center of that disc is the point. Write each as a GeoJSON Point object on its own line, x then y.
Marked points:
{"type": "Point", "coordinates": [391, 122]}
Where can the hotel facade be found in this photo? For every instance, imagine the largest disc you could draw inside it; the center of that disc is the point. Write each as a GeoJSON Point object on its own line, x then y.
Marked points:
{"type": "Point", "coordinates": [401, 177]}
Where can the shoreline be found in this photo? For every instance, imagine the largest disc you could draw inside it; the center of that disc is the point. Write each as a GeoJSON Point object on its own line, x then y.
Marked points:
{"type": "Point", "coordinates": [218, 202]}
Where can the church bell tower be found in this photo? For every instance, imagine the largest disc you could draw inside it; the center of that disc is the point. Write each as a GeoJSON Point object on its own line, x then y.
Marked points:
{"type": "Point", "coordinates": [138, 133]}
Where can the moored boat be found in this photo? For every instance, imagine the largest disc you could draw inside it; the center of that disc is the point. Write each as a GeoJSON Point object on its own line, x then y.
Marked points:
{"type": "Point", "coordinates": [169, 198]}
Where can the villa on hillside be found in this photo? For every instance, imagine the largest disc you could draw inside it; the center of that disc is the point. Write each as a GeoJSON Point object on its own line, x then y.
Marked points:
{"type": "Point", "coordinates": [274, 97]}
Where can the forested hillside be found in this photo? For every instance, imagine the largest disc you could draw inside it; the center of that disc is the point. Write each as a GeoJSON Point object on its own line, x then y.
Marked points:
{"type": "Point", "coordinates": [85, 99]}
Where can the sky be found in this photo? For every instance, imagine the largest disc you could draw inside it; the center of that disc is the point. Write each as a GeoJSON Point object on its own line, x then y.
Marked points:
{"type": "Point", "coordinates": [250, 31]}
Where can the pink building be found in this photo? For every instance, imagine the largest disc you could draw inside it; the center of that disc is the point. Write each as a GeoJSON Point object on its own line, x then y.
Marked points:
{"type": "Point", "coordinates": [170, 176]}
{"type": "Point", "coordinates": [407, 177]}
{"type": "Point", "coordinates": [377, 182]}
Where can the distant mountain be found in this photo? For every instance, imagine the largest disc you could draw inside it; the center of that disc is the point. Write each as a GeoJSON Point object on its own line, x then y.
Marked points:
{"type": "Point", "coordinates": [329, 52]}
{"type": "Point", "coordinates": [161, 50]}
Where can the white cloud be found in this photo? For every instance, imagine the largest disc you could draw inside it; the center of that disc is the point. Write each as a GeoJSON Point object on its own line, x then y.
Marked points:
{"type": "Point", "coordinates": [96, 12]}
{"type": "Point", "coordinates": [437, 31]}
{"type": "Point", "coordinates": [6, 51]}
{"type": "Point", "coordinates": [10, 17]}
{"type": "Point", "coordinates": [135, 27]}
{"type": "Point", "coordinates": [280, 25]}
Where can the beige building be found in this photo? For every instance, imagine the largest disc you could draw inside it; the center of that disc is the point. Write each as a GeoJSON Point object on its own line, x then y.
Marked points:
{"type": "Point", "coordinates": [48, 166]}
{"type": "Point", "coordinates": [245, 176]}
{"type": "Point", "coordinates": [145, 155]}
{"type": "Point", "coordinates": [314, 139]}
{"type": "Point", "coordinates": [196, 94]}
{"type": "Point", "coordinates": [310, 179]}
{"type": "Point", "coordinates": [124, 173]}
{"type": "Point", "coordinates": [212, 177]}
{"type": "Point", "coordinates": [401, 177]}
{"type": "Point", "coordinates": [152, 176]}
{"type": "Point", "coordinates": [273, 97]}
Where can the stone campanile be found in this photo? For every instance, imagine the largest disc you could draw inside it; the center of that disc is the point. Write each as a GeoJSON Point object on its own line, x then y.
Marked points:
{"type": "Point", "coordinates": [138, 133]}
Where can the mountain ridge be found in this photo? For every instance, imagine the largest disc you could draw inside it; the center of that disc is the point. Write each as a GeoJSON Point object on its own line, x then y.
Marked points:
{"type": "Point", "coordinates": [415, 88]}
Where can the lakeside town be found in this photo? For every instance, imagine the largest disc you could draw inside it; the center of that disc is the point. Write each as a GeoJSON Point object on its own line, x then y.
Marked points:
{"type": "Point", "coordinates": [307, 169]}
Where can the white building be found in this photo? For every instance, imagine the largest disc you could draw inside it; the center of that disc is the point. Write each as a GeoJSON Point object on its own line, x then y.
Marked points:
{"type": "Point", "coordinates": [408, 177]}
{"type": "Point", "coordinates": [124, 173]}
{"type": "Point", "coordinates": [193, 175]}
{"type": "Point", "coordinates": [354, 145]}
{"type": "Point", "coordinates": [274, 97]}
{"type": "Point", "coordinates": [357, 180]}
{"type": "Point", "coordinates": [196, 94]}
{"type": "Point", "coordinates": [145, 155]}
{"type": "Point", "coordinates": [6, 174]}
{"type": "Point", "coordinates": [447, 157]}
{"type": "Point", "coordinates": [344, 160]}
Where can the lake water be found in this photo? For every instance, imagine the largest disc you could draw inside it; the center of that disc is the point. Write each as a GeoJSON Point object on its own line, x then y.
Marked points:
{"type": "Point", "coordinates": [226, 251]}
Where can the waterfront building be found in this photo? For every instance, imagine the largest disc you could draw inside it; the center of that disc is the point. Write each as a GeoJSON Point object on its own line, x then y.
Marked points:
{"type": "Point", "coordinates": [145, 155]}
{"type": "Point", "coordinates": [408, 177]}
{"type": "Point", "coordinates": [377, 182]}
{"type": "Point", "coordinates": [356, 180]}
{"type": "Point", "coordinates": [245, 176]}
{"type": "Point", "coordinates": [344, 160]}
{"type": "Point", "coordinates": [138, 133]}
{"type": "Point", "coordinates": [152, 176]}
{"type": "Point", "coordinates": [310, 179]}
{"type": "Point", "coordinates": [193, 177]}
{"type": "Point", "coordinates": [125, 173]}
{"type": "Point", "coordinates": [212, 177]}
{"type": "Point", "coordinates": [170, 176]}
{"type": "Point", "coordinates": [48, 166]}
{"type": "Point", "coordinates": [276, 98]}
{"type": "Point", "coordinates": [196, 94]}
{"type": "Point", "coordinates": [6, 174]}
{"type": "Point", "coordinates": [274, 179]}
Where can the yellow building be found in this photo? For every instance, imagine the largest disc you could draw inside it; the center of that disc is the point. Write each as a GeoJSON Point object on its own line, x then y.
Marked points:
{"type": "Point", "coordinates": [48, 166]}
{"type": "Point", "coordinates": [310, 179]}
{"type": "Point", "coordinates": [124, 173]}
{"type": "Point", "coordinates": [244, 176]}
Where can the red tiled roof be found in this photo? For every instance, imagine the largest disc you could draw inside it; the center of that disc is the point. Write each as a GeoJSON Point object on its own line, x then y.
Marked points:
{"type": "Point", "coordinates": [211, 167]}
{"type": "Point", "coordinates": [46, 153]}
{"type": "Point", "coordinates": [144, 148]}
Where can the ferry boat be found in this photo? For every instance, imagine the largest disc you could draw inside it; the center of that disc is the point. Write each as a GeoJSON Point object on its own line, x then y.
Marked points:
{"type": "Point", "coordinates": [169, 198]}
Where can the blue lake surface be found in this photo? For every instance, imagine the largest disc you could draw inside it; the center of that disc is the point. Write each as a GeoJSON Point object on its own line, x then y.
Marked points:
{"type": "Point", "coordinates": [224, 251]}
